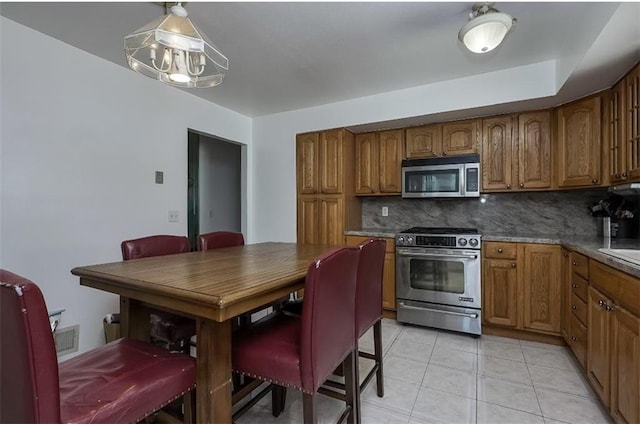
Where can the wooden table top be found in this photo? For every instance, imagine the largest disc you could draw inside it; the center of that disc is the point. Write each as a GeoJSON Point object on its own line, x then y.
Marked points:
{"type": "Point", "coordinates": [217, 284]}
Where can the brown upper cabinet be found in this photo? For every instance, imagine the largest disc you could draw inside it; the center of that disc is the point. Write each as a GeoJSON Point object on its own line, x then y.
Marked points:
{"type": "Point", "coordinates": [460, 138]}
{"type": "Point", "coordinates": [579, 144]}
{"type": "Point", "coordinates": [516, 152]}
{"type": "Point", "coordinates": [424, 142]}
{"type": "Point", "coordinates": [622, 120]}
{"type": "Point", "coordinates": [378, 162]}
{"type": "Point", "coordinates": [450, 139]}
{"type": "Point", "coordinates": [320, 162]}
{"type": "Point", "coordinates": [499, 154]}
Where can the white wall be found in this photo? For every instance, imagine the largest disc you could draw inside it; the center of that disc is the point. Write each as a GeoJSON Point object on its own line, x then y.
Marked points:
{"type": "Point", "coordinates": [274, 135]}
{"type": "Point", "coordinates": [80, 140]}
{"type": "Point", "coordinates": [219, 185]}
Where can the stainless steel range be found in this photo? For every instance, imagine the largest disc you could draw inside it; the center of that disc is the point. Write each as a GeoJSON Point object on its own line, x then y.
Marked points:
{"type": "Point", "coordinates": [438, 278]}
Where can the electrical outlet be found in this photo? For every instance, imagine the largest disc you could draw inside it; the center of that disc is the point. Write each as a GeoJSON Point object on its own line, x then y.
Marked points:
{"type": "Point", "coordinates": [385, 211]}
{"type": "Point", "coordinates": [173, 216]}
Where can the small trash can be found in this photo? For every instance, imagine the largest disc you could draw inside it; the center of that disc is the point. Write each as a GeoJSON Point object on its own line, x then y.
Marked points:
{"type": "Point", "coordinates": [111, 324]}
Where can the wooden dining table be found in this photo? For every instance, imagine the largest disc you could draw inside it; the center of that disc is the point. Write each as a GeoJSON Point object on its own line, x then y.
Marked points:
{"type": "Point", "coordinates": [211, 287]}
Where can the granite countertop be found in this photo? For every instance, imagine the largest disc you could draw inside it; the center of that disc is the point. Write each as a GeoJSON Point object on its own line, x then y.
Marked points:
{"type": "Point", "coordinates": [588, 246]}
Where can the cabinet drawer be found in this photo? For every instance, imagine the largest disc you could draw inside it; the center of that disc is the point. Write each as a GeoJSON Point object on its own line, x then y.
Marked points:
{"type": "Point", "coordinates": [499, 250]}
{"type": "Point", "coordinates": [580, 264]}
{"type": "Point", "coordinates": [579, 308]}
{"type": "Point", "coordinates": [579, 340]}
{"type": "Point", "coordinates": [579, 286]}
{"type": "Point", "coordinates": [622, 288]}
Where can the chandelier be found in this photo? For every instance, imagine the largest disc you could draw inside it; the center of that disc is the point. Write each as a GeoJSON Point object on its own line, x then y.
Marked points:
{"type": "Point", "coordinates": [173, 50]}
{"type": "Point", "coordinates": [486, 28]}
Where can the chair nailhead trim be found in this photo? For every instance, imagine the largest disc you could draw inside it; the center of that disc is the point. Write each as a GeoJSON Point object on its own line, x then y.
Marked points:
{"type": "Point", "coordinates": [272, 381]}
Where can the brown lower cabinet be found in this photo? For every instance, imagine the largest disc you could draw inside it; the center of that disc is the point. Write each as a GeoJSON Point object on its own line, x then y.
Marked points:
{"type": "Point", "coordinates": [389, 271]}
{"type": "Point", "coordinates": [521, 286]}
{"type": "Point", "coordinates": [613, 340]}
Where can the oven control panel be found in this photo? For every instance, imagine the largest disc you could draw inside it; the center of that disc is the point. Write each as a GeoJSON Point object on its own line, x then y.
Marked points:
{"type": "Point", "coordinates": [409, 240]}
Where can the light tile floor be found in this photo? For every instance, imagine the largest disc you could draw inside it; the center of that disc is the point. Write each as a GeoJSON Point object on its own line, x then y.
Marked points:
{"type": "Point", "coordinates": [440, 377]}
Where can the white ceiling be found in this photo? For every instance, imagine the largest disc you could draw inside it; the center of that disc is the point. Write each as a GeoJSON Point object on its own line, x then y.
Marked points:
{"type": "Point", "coordinates": [287, 56]}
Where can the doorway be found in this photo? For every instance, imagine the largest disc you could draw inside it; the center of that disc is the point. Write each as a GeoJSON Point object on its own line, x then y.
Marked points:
{"type": "Point", "coordinates": [215, 187]}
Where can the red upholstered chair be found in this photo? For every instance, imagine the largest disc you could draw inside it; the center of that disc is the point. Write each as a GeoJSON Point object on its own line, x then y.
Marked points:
{"type": "Point", "coordinates": [219, 239]}
{"type": "Point", "coordinates": [301, 352]}
{"type": "Point", "coordinates": [123, 381]}
{"type": "Point", "coordinates": [173, 330]}
{"type": "Point", "coordinates": [368, 307]}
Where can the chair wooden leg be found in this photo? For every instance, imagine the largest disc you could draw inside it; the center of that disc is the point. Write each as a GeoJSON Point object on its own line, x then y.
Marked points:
{"type": "Point", "coordinates": [352, 386]}
{"type": "Point", "coordinates": [309, 408]}
{"type": "Point", "coordinates": [189, 402]}
{"type": "Point", "coordinates": [278, 398]}
{"type": "Point", "coordinates": [377, 345]}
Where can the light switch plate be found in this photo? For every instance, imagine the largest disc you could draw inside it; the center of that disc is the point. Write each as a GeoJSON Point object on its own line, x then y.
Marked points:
{"type": "Point", "coordinates": [159, 177]}
{"type": "Point", "coordinates": [385, 211]}
{"type": "Point", "coordinates": [173, 216]}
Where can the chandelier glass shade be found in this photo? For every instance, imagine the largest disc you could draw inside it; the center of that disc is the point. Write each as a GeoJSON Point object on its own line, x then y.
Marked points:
{"type": "Point", "coordinates": [173, 50]}
{"type": "Point", "coordinates": [486, 28]}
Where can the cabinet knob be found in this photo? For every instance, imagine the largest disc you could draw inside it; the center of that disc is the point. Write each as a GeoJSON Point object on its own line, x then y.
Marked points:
{"type": "Point", "coordinates": [508, 185]}
{"type": "Point", "coordinates": [513, 265]}
{"type": "Point", "coordinates": [595, 181]}
{"type": "Point", "coordinates": [574, 285]}
{"type": "Point", "coordinates": [608, 308]}
{"type": "Point", "coordinates": [617, 175]}
{"type": "Point", "coordinates": [500, 250]}
{"type": "Point", "coordinates": [574, 338]}
{"type": "Point", "coordinates": [624, 175]}
{"type": "Point", "coordinates": [444, 153]}
{"type": "Point", "coordinates": [521, 185]}
{"type": "Point", "coordinates": [601, 302]}
{"type": "Point", "coordinates": [566, 255]}
{"type": "Point", "coordinates": [574, 263]}
{"type": "Point", "coordinates": [574, 307]}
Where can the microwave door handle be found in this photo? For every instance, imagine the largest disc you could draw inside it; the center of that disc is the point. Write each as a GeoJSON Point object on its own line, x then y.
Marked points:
{"type": "Point", "coordinates": [438, 255]}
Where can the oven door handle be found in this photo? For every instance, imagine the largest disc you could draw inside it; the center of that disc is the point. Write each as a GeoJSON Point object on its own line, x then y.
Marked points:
{"type": "Point", "coordinates": [416, 308]}
{"type": "Point", "coordinates": [437, 255]}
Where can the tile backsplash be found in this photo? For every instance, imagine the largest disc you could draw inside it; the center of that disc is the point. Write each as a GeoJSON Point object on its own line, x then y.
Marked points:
{"type": "Point", "coordinates": [559, 213]}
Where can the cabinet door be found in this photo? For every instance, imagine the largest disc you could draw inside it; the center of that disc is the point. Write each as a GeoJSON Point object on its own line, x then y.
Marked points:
{"type": "Point", "coordinates": [332, 220]}
{"type": "Point", "coordinates": [499, 288]}
{"type": "Point", "coordinates": [423, 142]}
{"type": "Point", "coordinates": [331, 162]}
{"type": "Point", "coordinates": [460, 138]}
{"type": "Point", "coordinates": [390, 150]}
{"type": "Point", "coordinates": [625, 366]}
{"type": "Point", "coordinates": [367, 176]}
{"type": "Point", "coordinates": [307, 162]}
{"type": "Point", "coordinates": [497, 153]}
{"type": "Point", "coordinates": [389, 281]}
{"type": "Point", "coordinates": [615, 130]}
{"type": "Point", "coordinates": [632, 122]}
{"type": "Point", "coordinates": [579, 148]}
{"type": "Point", "coordinates": [598, 344]}
{"type": "Point", "coordinates": [534, 150]}
{"type": "Point", "coordinates": [308, 220]}
{"type": "Point", "coordinates": [565, 326]}
{"type": "Point", "coordinates": [541, 285]}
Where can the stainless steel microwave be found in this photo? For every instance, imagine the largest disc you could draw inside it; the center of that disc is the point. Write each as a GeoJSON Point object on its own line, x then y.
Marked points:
{"type": "Point", "coordinates": [451, 176]}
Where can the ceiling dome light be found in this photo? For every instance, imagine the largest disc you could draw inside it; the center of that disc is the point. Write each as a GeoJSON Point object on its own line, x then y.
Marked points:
{"type": "Point", "coordinates": [486, 28]}
{"type": "Point", "coordinates": [173, 50]}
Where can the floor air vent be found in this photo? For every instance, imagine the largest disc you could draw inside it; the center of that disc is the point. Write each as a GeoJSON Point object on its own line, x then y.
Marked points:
{"type": "Point", "coordinates": [67, 340]}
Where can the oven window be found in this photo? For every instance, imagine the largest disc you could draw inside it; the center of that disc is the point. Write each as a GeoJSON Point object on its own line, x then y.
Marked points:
{"type": "Point", "coordinates": [441, 181]}
{"type": "Point", "coordinates": [435, 275]}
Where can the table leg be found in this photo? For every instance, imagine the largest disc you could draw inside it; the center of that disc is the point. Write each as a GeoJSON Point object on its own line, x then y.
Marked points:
{"type": "Point", "coordinates": [134, 319]}
{"type": "Point", "coordinates": [213, 379]}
